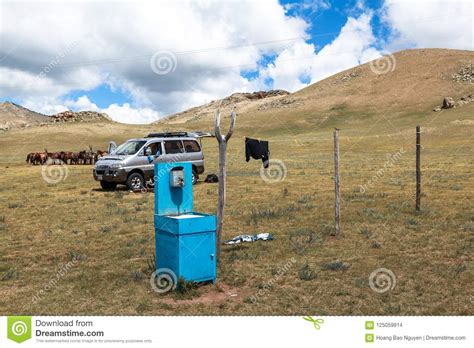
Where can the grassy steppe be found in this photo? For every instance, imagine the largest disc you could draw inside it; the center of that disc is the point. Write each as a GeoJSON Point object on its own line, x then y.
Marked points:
{"type": "Point", "coordinates": [304, 270]}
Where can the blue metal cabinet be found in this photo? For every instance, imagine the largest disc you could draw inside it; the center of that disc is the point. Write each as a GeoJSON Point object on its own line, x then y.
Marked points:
{"type": "Point", "coordinates": [185, 240]}
{"type": "Point", "coordinates": [187, 246]}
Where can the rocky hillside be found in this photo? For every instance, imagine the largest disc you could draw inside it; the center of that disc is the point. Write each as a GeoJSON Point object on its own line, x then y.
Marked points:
{"type": "Point", "coordinates": [81, 116]}
{"type": "Point", "coordinates": [16, 116]}
{"type": "Point", "coordinates": [242, 101]}
{"type": "Point", "coordinates": [409, 81]}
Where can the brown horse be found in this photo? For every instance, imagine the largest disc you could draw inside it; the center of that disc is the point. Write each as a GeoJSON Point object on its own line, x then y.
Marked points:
{"type": "Point", "coordinates": [100, 154]}
{"type": "Point", "coordinates": [29, 157]}
{"type": "Point", "coordinates": [54, 157]}
{"type": "Point", "coordinates": [86, 157]}
{"type": "Point", "coordinates": [33, 158]}
{"type": "Point", "coordinates": [66, 156]}
{"type": "Point", "coordinates": [40, 158]}
{"type": "Point", "coordinates": [74, 158]}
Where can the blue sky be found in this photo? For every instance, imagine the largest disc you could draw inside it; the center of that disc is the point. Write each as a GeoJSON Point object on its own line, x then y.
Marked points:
{"type": "Point", "coordinates": [326, 24]}
{"type": "Point", "coordinates": [103, 95]}
{"type": "Point", "coordinates": [115, 58]}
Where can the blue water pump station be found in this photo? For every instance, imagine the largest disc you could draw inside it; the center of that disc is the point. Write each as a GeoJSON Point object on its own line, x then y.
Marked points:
{"type": "Point", "coordinates": [185, 240]}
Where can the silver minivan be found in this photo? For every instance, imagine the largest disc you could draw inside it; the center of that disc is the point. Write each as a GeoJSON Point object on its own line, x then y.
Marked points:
{"type": "Point", "coordinates": [131, 163]}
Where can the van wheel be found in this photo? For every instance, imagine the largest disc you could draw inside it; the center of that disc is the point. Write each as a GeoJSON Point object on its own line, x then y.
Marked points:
{"type": "Point", "coordinates": [135, 182]}
{"type": "Point", "coordinates": [195, 177]}
{"type": "Point", "coordinates": [107, 185]}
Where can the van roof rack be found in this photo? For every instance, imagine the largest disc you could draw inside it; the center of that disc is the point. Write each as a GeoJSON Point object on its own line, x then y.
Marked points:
{"type": "Point", "coordinates": [167, 135]}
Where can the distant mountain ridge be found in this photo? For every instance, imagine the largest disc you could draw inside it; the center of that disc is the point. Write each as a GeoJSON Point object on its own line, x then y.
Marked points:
{"type": "Point", "coordinates": [239, 100]}
{"type": "Point", "coordinates": [408, 81]}
{"type": "Point", "coordinates": [16, 116]}
{"type": "Point", "coordinates": [414, 80]}
{"type": "Point", "coordinates": [80, 116]}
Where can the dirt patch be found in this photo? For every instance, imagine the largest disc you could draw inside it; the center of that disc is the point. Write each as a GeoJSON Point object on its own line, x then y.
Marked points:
{"type": "Point", "coordinates": [463, 122]}
{"type": "Point", "coordinates": [211, 294]}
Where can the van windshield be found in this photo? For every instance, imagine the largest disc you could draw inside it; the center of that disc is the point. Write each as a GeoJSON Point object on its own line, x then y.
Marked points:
{"type": "Point", "coordinates": [130, 147]}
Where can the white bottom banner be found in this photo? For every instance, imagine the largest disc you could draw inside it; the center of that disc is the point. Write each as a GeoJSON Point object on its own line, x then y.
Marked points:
{"type": "Point", "coordinates": [239, 332]}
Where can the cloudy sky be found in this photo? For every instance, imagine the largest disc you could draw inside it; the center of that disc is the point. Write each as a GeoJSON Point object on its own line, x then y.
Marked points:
{"type": "Point", "coordinates": [139, 61]}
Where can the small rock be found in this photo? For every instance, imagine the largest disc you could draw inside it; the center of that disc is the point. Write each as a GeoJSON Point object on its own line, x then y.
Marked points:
{"type": "Point", "coordinates": [448, 103]}
{"type": "Point", "coordinates": [437, 109]}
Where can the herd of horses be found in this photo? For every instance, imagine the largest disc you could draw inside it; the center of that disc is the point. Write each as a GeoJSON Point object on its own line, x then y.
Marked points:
{"type": "Point", "coordinates": [65, 157]}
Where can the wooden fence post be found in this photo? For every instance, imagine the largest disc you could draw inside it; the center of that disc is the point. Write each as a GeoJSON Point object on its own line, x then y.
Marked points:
{"type": "Point", "coordinates": [222, 140]}
{"type": "Point", "coordinates": [418, 168]}
{"type": "Point", "coordinates": [337, 186]}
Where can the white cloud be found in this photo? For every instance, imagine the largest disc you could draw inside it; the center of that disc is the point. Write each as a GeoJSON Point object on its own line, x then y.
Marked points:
{"type": "Point", "coordinates": [82, 103]}
{"type": "Point", "coordinates": [82, 45]}
{"type": "Point", "coordinates": [309, 6]}
{"type": "Point", "coordinates": [353, 46]}
{"type": "Point", "coordinates": [93, 43]}
{"type": "Point", "coordinates": [291, 67]}
{"type": "Point", "coordinates": [47, 106]}
{"type": "Point", "coordinates": [430, 23]}
{"type": "Point", "coordinates": [126, 114]}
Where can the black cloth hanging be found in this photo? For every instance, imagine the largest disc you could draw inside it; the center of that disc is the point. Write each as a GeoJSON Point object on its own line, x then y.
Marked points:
{"type": "Point", "coordinates": [257, 149]}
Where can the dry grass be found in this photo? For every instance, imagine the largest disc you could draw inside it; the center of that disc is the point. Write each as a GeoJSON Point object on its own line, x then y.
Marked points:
{"type": "Point", "coordinates": [419, 81]}
{"type": "Point", "coordinates": [107, 237]}
{"type": "Point", "coordinates": [110, 234]}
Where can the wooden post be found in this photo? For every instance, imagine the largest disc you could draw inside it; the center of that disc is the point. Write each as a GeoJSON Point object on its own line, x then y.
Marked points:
{"type": "Point", "coordinates": [418, 168]}
{"type": "Point", "coordinates": [337, 185]}
{"type": "Point", "coordinates": [222, 140]}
